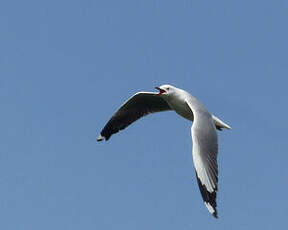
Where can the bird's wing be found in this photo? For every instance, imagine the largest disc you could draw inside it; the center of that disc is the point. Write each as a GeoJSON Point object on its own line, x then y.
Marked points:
{"type": "Point", "coordinates": [205, 150]}
{"type": "Point", "coordinates": [139, 105]}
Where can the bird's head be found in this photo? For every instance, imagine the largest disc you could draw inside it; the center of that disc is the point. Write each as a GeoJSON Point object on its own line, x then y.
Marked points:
{"type": "Point", "coordinates": [165, 90]}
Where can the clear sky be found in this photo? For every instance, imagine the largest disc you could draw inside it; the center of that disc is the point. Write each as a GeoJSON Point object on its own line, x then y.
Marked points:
{"type": "Point", "coordinates": [66, 66]}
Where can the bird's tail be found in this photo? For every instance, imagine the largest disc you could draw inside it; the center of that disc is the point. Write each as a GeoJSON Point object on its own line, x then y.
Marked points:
{"type": "Point", "coordinates": [220, 124]}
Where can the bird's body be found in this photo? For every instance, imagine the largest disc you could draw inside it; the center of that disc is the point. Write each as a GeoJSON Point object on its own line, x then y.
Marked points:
{"type": "Point", "coordinates": [179, 105]}
{"type": "Point", "coordinates": [203, 131]}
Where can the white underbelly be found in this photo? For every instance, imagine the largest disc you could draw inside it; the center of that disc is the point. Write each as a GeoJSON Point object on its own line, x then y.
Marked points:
{"type": "Point", "coordinates": [182, 109]}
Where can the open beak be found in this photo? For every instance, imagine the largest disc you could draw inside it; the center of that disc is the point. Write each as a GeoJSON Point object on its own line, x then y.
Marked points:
{"type": "Point", "coordinates": [161, 91]}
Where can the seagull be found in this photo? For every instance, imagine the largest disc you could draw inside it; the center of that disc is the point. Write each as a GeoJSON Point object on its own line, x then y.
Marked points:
{"type": "Point", "coordinates": [203, 131]}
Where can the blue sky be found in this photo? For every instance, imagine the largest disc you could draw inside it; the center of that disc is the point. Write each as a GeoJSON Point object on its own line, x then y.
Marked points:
{"type": "Point", "coordinates": [66, 66]}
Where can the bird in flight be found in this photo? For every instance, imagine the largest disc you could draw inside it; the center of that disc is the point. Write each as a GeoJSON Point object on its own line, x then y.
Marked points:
{"type": "Point", "coordinates": [203, 131]}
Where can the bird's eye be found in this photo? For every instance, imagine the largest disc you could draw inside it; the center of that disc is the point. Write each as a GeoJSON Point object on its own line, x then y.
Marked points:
{"type": "Point", "coordinates": [168, 88]}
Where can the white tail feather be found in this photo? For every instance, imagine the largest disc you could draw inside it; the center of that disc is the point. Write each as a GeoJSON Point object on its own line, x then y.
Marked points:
{"type": "Point", "coordinates": [220, 123]}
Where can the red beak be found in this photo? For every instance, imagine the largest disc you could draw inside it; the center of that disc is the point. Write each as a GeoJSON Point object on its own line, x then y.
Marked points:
{"type": "Point", "coordinates": [161, 91]}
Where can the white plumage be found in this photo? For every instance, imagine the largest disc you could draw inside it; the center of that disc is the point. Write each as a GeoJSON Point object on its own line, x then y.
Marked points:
{"type": "Point", "coordinates": [203, 131]}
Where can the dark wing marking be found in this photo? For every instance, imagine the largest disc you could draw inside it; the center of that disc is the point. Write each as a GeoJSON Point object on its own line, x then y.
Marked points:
{"type": "Point", "coordinates": [139, 105]}
{"type": "Point", "coordinates": [208, 197]}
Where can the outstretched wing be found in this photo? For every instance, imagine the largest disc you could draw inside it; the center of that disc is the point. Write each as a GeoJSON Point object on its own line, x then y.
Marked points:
{"type": "Point", "coordinates": [205, 150]}
{"type": "Point", "coordinates": [137, 106]}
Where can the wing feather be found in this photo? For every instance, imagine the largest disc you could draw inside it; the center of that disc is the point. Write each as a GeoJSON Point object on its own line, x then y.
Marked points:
{"type": "Point", "coordinates": [205, 150]}
{"type": "Point", "coordinates": [139, 105]}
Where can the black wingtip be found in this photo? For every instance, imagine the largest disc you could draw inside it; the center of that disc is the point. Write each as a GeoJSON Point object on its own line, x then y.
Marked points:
{"type": "Point", "coordinates": [215, 214]}
{"type": "Point", "coordinates": [100, 138]}
{"type": "Point", "coordinates": [208, 197]}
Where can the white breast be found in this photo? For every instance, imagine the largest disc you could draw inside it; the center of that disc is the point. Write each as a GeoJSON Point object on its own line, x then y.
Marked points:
{"type": "Point", "coordinates": [181, 107]}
